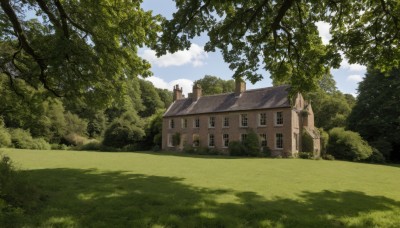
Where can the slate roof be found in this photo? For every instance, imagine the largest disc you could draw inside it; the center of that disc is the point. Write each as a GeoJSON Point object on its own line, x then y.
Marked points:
{"type": "Point", "coordinates": [265, 98]}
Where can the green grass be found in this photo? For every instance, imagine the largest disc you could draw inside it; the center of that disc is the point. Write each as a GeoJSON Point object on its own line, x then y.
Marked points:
{"type": "Point", "coordinates": [90, 189]}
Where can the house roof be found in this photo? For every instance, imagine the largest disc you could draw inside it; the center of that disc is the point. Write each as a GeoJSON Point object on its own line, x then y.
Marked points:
{"type": "Point", "coordinates": [265, 98]}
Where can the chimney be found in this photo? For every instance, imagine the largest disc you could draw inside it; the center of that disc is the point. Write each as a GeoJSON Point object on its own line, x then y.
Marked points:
{"type": "Point", "coordinates": [177, 93]}
{"type": "Point", "coordinates": [240, 86]}
{"type": "Point", "coordinates": [196, 92]}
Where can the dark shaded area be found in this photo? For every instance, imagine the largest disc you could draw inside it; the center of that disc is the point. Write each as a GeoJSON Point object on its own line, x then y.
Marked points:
{"type": "Point", "coordinates": [87, 198]}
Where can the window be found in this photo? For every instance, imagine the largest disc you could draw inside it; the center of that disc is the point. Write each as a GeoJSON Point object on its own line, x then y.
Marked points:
{"type": "Point", "coordinates": [170, 141]}
{"type": "Point", "coordinates": [171, 123]}
{"type": "Point", "coordinates": [263, 140]}
{"type": "Point", "coordinates": [225, 139]}
{"type": "Point", "coordinates": [184, 123]}
{"type": "Point", "coordinates": [196, 123]}
{"type": "Point", "coordinates": [243, 137]}
{"type": "Point", "coordinates": [296, 139]}
{"type": "Point", "coordinates": [279, 141]}
{"type": "Point", "coordinates": [211, 122]}
{"type": "Point", "coordinates": [243, 120]}
{"type": "Point", "coordinates": [196, 140]}
{"type": "Point", "coordinates": [263, 119]}
{"type": "Point", "coordinates": [279, 118]}
{"type": "Point", "coordinates": [211, 141]}
{"type": "Point", "coordinates": [225, 122]}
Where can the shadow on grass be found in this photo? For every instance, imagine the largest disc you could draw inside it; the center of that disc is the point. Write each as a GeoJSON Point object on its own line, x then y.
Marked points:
{"type": "Point", "coordinates": [88, 198]}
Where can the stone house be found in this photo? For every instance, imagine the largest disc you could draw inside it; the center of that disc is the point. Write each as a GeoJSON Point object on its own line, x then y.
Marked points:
{"type": "Point", "coordinates": [214, 121]}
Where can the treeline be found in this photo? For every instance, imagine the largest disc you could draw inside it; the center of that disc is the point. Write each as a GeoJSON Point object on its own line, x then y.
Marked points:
{"type": "Point", "coordinates": [32, 119]}
{"type": "Point", "coordinates": [362, 129]}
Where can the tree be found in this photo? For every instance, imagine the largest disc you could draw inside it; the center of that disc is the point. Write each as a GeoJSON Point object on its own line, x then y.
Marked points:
{"type": "Point", "coordinates": [213, 85]}
{"type": "Point", "coordinates": [123, 131]}
{"type": "Point", "coordinates": [165, 96]}
{"type": "Point", "coordinates": [348, 145]}
{"type": "Point", "coordinates": [331, 107]}
{"type": "Point", "coordinates": [150, 98]}
{"type": "Point", "coordinates": [376, 115]}
{"type": "Point", "coordinates": [281, 36]}
{"type": "Point", "coordinates": [75, 48]}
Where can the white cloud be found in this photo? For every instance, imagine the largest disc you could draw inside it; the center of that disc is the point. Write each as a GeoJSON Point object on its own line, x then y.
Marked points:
{"type": "Point", "coordinates": [186, 84]}
{"type": "Point", "coordinates": [323, 29]}
{"type": "Point", "coordinates": [354, 78]}
{"type": "Point", "coordinates": [194, 56]}
{"type": "Point", "coordinates": [352, 67]}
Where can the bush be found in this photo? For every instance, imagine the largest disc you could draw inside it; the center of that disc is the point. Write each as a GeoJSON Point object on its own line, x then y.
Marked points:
{"type": "Point", "coordinates": [91, 146]}
{"type": "Point", "coordinates": [176, 139]}
{"type": "Point", "coordinates": [324, 140]}
{"type": "Point", "coordinates": [156, 148]}
{"type": "Point", "coordinates": [236, 148]}
{"type": "Point", "coordinates": [348, 145]}
{"type": "Point", "coordinates": [252, 144]}
{"type": "Point", "coordinates": [376, 157]}
{"type": "Point", "coordinates": [307, 142]}
{"type": "Point", "coordinates": [124, 131]}
{"type": "Point", "coordinates": [5, 137]}
{"type": "Point", "coordinates": [17, 195]}
{"type": "Point", "coordinates": [328, 157]}
{"type": "Point", "coordinates": [56, 146]}
{"type": "Point", "coordinates": [22, 139]}
{"type": "Point", "coordinates": [306, 155]}
{"type": "Point", "coordinates": [266, 152]}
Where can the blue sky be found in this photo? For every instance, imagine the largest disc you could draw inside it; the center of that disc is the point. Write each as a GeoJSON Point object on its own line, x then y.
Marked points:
{"type": "Point", "coordinates": [184, 67]}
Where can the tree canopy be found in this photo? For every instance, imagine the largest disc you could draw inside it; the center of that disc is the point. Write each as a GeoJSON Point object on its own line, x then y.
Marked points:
{"type": "Point", "coordinates": [74, 48]}
{"type": "Point", "coordinates": [213, 85]}
{"type": "Point", "coordinates": [376, 115]}
{"type": "Point", "coordinates": [282, 37]}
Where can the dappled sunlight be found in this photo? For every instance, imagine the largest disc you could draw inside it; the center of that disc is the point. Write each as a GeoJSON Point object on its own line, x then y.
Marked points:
{"type": "Point", "coordinates": [121, 199]}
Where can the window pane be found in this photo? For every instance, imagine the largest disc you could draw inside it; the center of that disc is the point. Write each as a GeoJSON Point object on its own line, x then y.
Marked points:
{"type": "Point", "coordinates": [263, 119]}
{"type": "Point", "coordinates": [225, 138]}
{"type": "Point", "coordinates": [226, 122]}
{"type": "Point", "coordinates": [263, 140]}
{"type": "Point", "coordinates": [243, 120]}
{"type": "Point", "coordinates": [196, 140]}
{"type": "Point", "coordinates": [279, 141]}
{"type": "Point", "coordinates": [211, 121]}
{"type": "Point", "coordinates": [279, 118]}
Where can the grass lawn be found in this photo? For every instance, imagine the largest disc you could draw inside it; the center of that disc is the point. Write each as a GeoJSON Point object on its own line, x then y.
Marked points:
{"type": "Point", "coordinates": [91, 189]}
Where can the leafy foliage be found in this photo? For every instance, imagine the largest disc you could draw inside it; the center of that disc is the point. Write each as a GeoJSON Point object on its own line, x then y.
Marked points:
{"type": "Point", "coordinates": [348, 145]}
{"type": "Point", "coordinates": [213, 85]}
{"type": "Point", "coordinates": [91, 47]}
{"type": "Point", "coordinates": [124, 131]}
{"type": "Point", "coordinates": [22, 139]}
{"type": "Point", "coordinates": [330, 109]}
{"type": "Point", "coordinates": [236, 148]}
{"type": "Point", "coordinates": [307, 142]}
{"type": "Point", "coordinates": [281, 36]}
{"type": "Point", "coordinates": [150, 99]}
{"type": "Point", "coordinates": [252, 144]}
{"type": "Point", "coordinates": [17, 195]}
{"type": "Point", "coordinates": [376, 115]}
{"type": "Point", "coordinates": [5, 138]}
{"type": "Point", "coordinates": [249, 147]}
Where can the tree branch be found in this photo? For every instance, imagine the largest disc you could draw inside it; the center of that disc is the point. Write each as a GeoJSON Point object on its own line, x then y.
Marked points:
{"type": "Point", "coordinates": [63, 17]}
{"type": "Point", "coordinates": [281, 13]}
